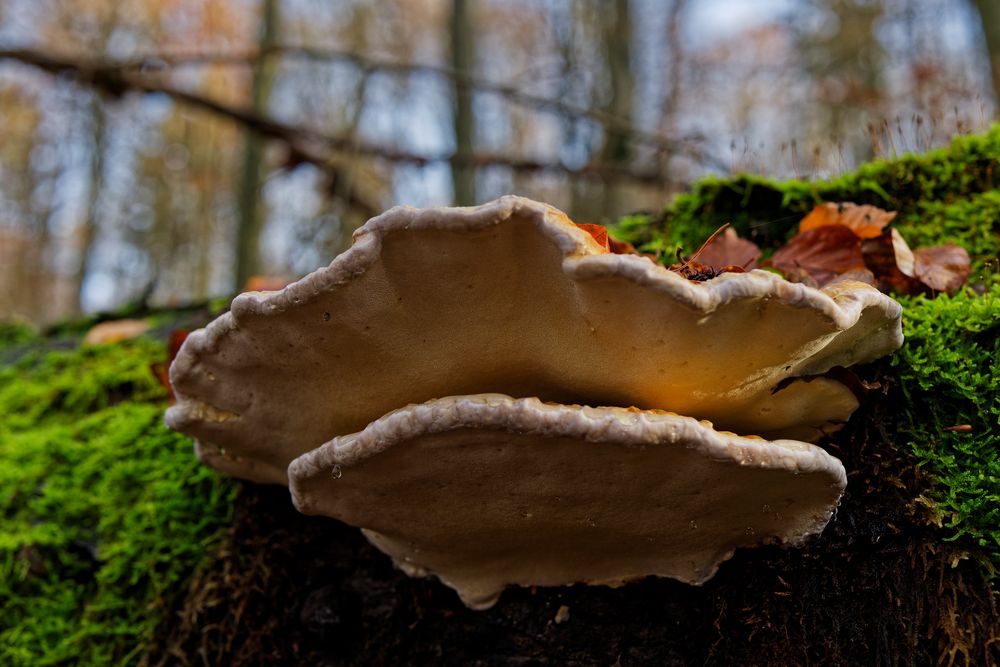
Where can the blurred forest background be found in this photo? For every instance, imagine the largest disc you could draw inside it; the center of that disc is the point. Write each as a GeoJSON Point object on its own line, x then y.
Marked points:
{"type": "Point", "coordinates": [168, 150]}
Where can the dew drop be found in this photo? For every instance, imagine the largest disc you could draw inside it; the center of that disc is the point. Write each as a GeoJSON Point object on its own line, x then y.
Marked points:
{"type": "Point", "coordinates": [751, 531]}
{"type": "Point", "coordinates": [336, 472]}
{"type": "Point", "coordinates": [766, 509]}
{"type": "Point", "coordinates": [693, 524]}
{"type": "Point", "coordinates": [591, 522]}
{"type": "Point", "coordinates": [526, 515]}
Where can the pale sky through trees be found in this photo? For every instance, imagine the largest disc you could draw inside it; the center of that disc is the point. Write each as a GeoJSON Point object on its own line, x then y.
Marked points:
{"type": "Point", "coordinates": [105, 199]}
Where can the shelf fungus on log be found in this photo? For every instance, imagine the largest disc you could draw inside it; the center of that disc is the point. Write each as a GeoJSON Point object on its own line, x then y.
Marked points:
{"type": "Point", "coordinates": [485, 491]}
{"type": "Point", "coordinates": [512, 298]}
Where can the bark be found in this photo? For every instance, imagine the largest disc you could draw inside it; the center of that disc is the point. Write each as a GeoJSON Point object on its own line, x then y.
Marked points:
{"type": "Point", "coordinates": [877, 588]}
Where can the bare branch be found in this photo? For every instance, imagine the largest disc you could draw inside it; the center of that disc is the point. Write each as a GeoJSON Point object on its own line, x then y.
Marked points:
{"type": "Point", "coordinates": [306, 144]}
{"type": "Point", "coordinates": [613, 123]}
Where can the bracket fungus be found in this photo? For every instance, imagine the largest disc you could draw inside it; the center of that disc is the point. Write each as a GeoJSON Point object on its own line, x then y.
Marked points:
{"type": "Point", "coordinates": [446, 360]}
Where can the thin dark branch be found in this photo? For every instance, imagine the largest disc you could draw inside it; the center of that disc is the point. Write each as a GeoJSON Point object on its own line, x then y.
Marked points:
{"type": "Point", "coordinates": [159, 61]}
{"type": "Point", "coordinates": [305, 144]}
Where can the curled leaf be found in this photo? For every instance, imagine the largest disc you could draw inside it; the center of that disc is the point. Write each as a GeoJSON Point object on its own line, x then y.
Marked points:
{"type": "Point", "coordinates": [599, 232]}
{"type": "Point", "coordinates": [893, 263]}
{"type": "Point", "coordinates": [865, 220]}
{"type": "Point", "coordinates": [623, 248]}
{"type": "Point", "coordinates": [819, 255]}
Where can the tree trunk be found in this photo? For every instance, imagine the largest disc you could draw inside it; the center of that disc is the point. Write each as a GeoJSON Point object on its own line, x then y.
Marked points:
{"type": "Point", "coordinates": [618, 41]}
{"type": "Point", "coordinates": [463, 175]}
{"type": "Point", "coordinates": [88, 228]}
{"type": "Point", "coordinates": [989, 14]}
{"type": "Point", "coordinates": [250, 218]}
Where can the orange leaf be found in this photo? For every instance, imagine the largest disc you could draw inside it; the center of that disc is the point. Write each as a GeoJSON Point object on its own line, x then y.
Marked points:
{"type": "Point", "coordinates": [819, 255]}
{"type": "Point", "coordinates": [265, 283]}
{"type": "Point", "coordinates": [600, 234]}
{"type": "Point", "coordinates": [866, 221]}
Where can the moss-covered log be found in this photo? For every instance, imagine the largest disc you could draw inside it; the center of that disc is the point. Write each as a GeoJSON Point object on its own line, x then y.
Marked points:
{"type": "Point", "coordinates": [117, 547]}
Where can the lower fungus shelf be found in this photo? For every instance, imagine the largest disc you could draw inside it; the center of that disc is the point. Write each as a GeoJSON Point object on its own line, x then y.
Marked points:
{"type": "Point", "coordinates": [609, 492]}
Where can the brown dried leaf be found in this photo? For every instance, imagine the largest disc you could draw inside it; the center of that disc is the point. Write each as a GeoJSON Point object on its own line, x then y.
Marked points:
{"type": "Point", "coordinates": [822, 254]}
{"type": "Point", "coordinates": [161, 369]}
{"type": "Point", "coordinates": [891, 260]}
{"type": "Point", "coordinates": [623, 248]}
{"type": "Point", "coordinates": [865, 220]}
{"type": "Point", "coordinates": [115, 331]}
{"type": "Point", "coordinates": [855, 275]}
{"type": "Point", "coordinates": [728, 249]}
{"type": "Point", "coordinates": [943, 268]}
{"type": "Point", "coordinates": [265, 283]}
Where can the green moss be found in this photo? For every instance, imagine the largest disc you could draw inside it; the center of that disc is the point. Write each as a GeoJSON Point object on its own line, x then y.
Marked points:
{"type": "Point", "coordinates": [106, 512]}
{"type": "Point", "coordinates": [948, 374]}
{"type": "Point", "coordinates": [15, 333]}
{"type": "Point", "coordinates": [956, 185]}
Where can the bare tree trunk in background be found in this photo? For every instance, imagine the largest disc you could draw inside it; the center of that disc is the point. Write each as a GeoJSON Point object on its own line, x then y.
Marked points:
{"type": "Point", "coordinates": [618, 45]}
{"type": "Point", "coordinates": [463, 176]}
{"type": "Point", "coordinates": [201, 280]}
{"type": "Point", "coordinates": [672, 87]}
{"type": "Point", "coordinates": [99, 124]}
{"type": "Point", "coordinates": [250, 220]}
{"type": "Point", "coordinates": [88, 228]}
{"type": "Point", "coordinates": [846, 66]}
{"type": "Point", "coordinates": [989, 15]}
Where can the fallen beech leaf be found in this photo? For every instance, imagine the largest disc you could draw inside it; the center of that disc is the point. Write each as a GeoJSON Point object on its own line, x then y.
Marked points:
{"type": "Point", "coordinates": [866, 221]}
{"type": "Point", "coordinates": [728, 249]}
{"type": "Point", "coordinates": [612, 245]}
{"type": "Point", "coordinates": [599, 232]}
{"type": "Point", "coordinates": [160, 368]}
{"type": "Point", "coordinates": [822, 254]}
{"type": "Point", "coordinates": [856, 275]}
{"type": "Point", "coordinates": [891, 260]}
{"type": "Point", "coordinates": [692, 269]}
{"type": "Point", "coordinates": [115, 331]}
{"type": "Point", "coordinates": [943, 268]}
{"type": "Point", "coordinates": [265, 283]}
{"type": "Point", "coordinates": [623, 248]}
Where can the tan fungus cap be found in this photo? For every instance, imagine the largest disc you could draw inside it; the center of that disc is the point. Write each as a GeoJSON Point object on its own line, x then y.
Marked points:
{"type": "Point", "coordinates": [512, 297]}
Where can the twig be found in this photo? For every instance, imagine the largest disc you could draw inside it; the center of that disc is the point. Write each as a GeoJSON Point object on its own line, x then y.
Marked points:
{"type": "Point", "coordinates": [305, 144]}
{"type": "Point", "coordinates": [514, 95]}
